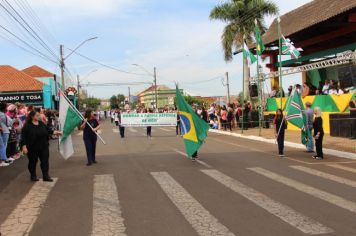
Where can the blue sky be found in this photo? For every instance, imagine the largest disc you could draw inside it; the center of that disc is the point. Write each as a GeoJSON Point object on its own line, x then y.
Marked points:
{"type": "Point", "coordinates": [175, 36]}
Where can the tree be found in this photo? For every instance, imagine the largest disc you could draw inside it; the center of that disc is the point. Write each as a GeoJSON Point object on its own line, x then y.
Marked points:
{"type": "Point", "coordinates": [91, 102]}
{"type": "Point", "coordinates": [240, 16]}
{"type": "Point", "coordinates": [113, 102]}
{"type": "Point", "coordinates": [120, 98]}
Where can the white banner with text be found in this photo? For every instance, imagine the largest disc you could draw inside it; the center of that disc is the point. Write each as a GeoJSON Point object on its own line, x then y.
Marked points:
{"type": "Point", "coordinates": [148, 119]}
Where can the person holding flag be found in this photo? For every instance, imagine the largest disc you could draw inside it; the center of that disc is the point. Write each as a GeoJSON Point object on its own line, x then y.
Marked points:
{"type": "Point", "coordinates": [90, 126]}
{"type": "Point", "coordinates": [34, 142]}
{"type": "Point", "coordinates": [296, 115]}
{"type": "Point", "coordinates": [194, 129]}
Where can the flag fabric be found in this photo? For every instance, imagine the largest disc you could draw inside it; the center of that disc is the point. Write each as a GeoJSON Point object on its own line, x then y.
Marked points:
{"type": "Point", "coordinates": [248, 55]}
{"type": "Point", "coordinates": [296, 115]}
{"type": "Point", "coordinates": [260, 47]}
{"type": "Point", "coordinates": [289, 49]}
{"type": "Point", "coordinates": [194, 129]}
{"type": "Point", "coordinates": [69, 120]}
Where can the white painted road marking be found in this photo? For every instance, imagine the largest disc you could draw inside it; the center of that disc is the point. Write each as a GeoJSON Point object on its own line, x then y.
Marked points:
{"type": "Point", "coordinates": [200, 219]}
{"type": "Point", "coordinates": [115, 130]}
{"type": "Point", "coordinates": [80, 133]}
{"type": "Point", "coordinates": [326, 176]}
{"type": "Point", "coordinates": [341, 167]}
{"type": "Point", "coordinates": [199, 161]}
{"type": "Point", "coordinates": [285, 213]}
{"type": "Point", "coordinates": [24, 216]}
{"type": "Point", "coordinates": [107, 219]}
{"type": "Point", "coordinates": [167, 130]}
{"type": "Point", "coordinates": [328, 197]}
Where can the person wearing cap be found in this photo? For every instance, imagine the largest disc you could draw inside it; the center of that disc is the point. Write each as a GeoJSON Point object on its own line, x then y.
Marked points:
{"type": "Point", "coordinates": [309, 113]}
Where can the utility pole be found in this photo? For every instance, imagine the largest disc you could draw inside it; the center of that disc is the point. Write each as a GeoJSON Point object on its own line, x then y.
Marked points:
{"type": "Point", "coordinates": [228, 88]}
{"type": "Point", "coordinates": [129, 98]}
{"type": "Point", "coordinates": [78, 91]}
{"type": "Point", "coordinates": [62, 66]}
{"type": "Point", "coordinates": [155, 82]}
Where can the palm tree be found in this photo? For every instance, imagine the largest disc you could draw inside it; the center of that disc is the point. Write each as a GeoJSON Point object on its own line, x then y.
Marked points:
{"type": "Point", "coordinates": [240, 16]}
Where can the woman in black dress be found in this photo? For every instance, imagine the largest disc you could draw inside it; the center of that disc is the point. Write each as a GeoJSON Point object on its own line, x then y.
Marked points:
{"type": "Point", "coordinates": [34, 143]}
{"type": "Point", "coordinates": [318, 134]}
{"type": "Point", "coordinates": [89, 135]}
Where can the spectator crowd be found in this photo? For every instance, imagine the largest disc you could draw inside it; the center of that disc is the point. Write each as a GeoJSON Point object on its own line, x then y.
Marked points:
{"type": "Point", "coordinates": [12, 120]}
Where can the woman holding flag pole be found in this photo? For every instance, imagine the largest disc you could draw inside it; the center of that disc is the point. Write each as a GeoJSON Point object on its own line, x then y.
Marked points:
{"type": "Point", "coordinates": [34, 143]}
{"type": "Point", "coordinates": [89, 135]}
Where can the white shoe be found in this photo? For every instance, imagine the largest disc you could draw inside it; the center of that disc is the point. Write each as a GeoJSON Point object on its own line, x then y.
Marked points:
{"type": "Point", "coordinates": [3, 164]}
{"type": "Point", "coordinates": [11, 159]}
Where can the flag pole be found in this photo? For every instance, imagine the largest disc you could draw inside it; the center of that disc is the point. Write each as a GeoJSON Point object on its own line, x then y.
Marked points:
{"type": "Point", "coordinates": [81, 116]}
{"type": "Point", "coordinates": [280, 62]}
{"type": "Point", "coordinates": [243, 87]}
{"type": "Point", "coordinates": [258, 85]}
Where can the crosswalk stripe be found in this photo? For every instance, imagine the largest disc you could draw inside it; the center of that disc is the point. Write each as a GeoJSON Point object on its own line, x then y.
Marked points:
{"type": "Point", "coordinates": [115, 130]}
{"type": "Point", "coordinates": [326, 176]}
{"type": "Point", "coordinates": [341, 167]}
{"type": "Point", "coordinates": [328, 197]}
{"type": "Point", "coordinates": [24, 216]}
{"type": "Point", "coordinates": [167, 130]}
{"type": "Point", "coordinates": [107, 219]}
{"type": "Point", "coordinates": [285, 213]}
{"type": "Point", "coordinates": [200, 219]}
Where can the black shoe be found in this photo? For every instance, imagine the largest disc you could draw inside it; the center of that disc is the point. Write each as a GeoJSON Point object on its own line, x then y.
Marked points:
{"type": "Point", "coordinates": [95, 162]}
{"type": "Point", "coordinates": [48, 179]}
{"type": "Point", "coordinates": [34, 179]}
{"type": "Point", "coordinates": [88, 164]}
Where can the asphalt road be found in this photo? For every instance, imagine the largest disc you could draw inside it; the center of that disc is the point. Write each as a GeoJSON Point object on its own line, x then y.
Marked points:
{"type": "Point", "coordinates": [144, 187]}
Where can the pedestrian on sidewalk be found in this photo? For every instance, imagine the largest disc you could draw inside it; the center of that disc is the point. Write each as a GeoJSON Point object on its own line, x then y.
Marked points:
{"type": "Point", "coordinates": [230, 118]}
{"type": "Point", "coordinates": [310, 118]}
{"type": "Point", "coordinates": [280, 125]}
{"type": "Point", "coordinates": [89, 135]}
{"type": "Point", "coordinates": [224, 117]}
{"type": "Point", "coordinates": [318, 134]}
{"type": "Point", "coordinates": [5, 123]}
{"type": "Point", "coordinates": [34, 143]}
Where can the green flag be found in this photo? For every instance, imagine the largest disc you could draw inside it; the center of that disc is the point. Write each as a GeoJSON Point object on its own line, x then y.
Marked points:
{"type": "Point", "coordinates": [248, 55]}
{"type": "Point", "coordinates": [194, 129]}
{"type": "Point", "coordinates": [296, 115]}
{"type": "Point", "coordinates": [260, 47]}
{"type": "Point", "coordinates": [69, 120]}
{"type": "Point", "coordinates": [289, 49]}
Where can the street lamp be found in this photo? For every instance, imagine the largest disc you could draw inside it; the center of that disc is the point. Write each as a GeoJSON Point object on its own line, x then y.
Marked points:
{"type": "Point", "coordinates": [154, 80]}
{"type": "Point", "coordinates": [64, 58]}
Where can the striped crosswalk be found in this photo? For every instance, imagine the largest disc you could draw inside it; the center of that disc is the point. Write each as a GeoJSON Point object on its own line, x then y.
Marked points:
{"type": "Point", "coordinates": [108, 218]}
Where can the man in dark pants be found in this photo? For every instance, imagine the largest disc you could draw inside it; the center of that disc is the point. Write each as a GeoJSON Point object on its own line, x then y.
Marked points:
{"type": "Point", "coordinates": [121, 128]}
{"type": "Point", "coordinates": [149, 131]}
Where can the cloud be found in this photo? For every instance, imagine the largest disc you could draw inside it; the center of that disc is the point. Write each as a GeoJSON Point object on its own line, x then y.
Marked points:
{"type": "Point", "coordinates": [89, 8]}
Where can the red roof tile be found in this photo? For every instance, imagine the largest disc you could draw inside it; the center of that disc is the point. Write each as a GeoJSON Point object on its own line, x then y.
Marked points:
{"type": "Point", "coordinates": [36, 71]}
{"type": "Point", "coordinates": [12, 80]}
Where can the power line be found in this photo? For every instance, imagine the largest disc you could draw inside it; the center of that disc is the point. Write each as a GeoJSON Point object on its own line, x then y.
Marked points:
{"type": "Point", "coordinates": [105, 65]}
{"type": "Point", "coordinates": [24, 42]}
{"type": "Point", "coordinates": [29, 29]}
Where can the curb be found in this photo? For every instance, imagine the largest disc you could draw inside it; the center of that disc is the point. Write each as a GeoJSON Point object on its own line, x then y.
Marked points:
{"type": "Point", "coordinates": [332, 152]}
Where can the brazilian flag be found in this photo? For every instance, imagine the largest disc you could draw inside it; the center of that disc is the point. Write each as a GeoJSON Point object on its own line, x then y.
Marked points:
{"type": "Point", "coordinates": [194, 129]}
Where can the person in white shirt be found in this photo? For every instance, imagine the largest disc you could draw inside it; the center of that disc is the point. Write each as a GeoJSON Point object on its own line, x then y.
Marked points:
{"type": "Point", "coordinates": [326, 88]}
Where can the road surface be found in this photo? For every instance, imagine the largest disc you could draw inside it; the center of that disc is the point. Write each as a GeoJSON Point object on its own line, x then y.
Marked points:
{"type": "Point", "coordinates": [147, 187]}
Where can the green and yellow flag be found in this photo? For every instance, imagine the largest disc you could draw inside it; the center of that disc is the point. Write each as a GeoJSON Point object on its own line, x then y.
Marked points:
{"type": "Point", "coordinates": [194, 129]}
{"type": "Point", "coordinates": [260, 47]}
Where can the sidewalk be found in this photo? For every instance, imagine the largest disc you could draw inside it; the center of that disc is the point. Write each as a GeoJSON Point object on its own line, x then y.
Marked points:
{"type": "Point", "coordinates": [341, 147]}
